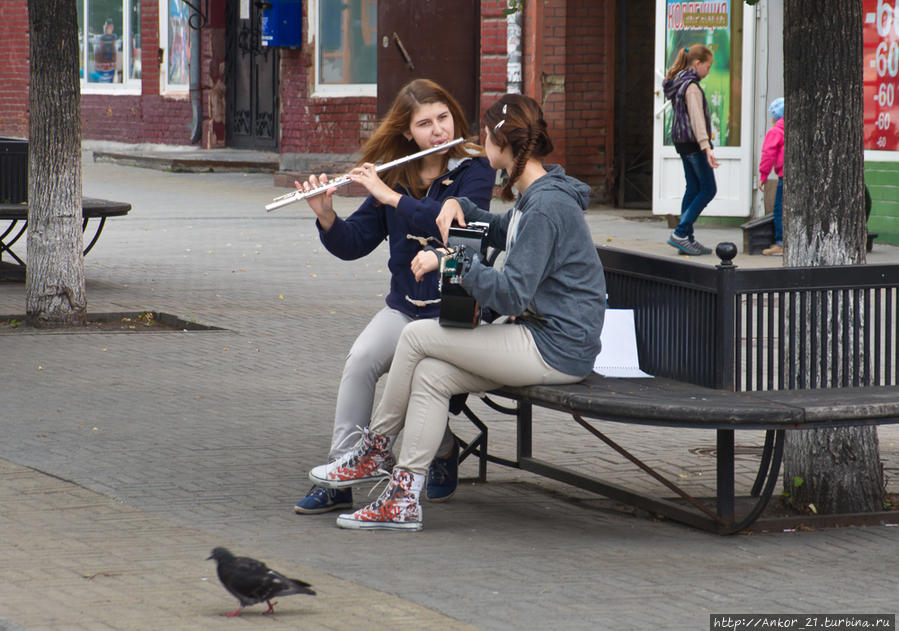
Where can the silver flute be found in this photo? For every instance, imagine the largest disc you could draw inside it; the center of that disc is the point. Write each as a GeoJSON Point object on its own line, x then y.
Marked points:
{"type": "Point", "coordinates": [297, 195]}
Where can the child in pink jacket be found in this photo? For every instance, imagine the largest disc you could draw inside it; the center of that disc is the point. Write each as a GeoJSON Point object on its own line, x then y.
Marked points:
{"type": "Point", "coordinates": [773, 157]}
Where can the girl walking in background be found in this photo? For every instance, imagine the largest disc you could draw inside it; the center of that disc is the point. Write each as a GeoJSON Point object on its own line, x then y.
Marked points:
{"type": "Point", "coordinates": [773, 157]}
{"type": "Point", "coordinates": [691, 133]}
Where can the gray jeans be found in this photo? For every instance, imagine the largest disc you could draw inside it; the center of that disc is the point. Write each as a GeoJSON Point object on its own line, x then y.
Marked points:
{"type": "Point", "coordinates": [368, 359]}
{"type": "Point", "coordinates": [433, 362]}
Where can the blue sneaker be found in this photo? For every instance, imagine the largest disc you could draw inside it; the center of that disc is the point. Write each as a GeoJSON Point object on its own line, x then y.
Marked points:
{"type": "Point", "coordinates": [443, 475]}
{"type": "Point", "coordinates": [321, 500]}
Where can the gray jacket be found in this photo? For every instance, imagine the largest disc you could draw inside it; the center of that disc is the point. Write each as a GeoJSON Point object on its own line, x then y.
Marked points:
{"type": "Point", "coordinates": [552, 279]}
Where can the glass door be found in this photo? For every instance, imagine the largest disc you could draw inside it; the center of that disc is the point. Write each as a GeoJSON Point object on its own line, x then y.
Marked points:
{"type": "Point", "coordinates": [728, 29]}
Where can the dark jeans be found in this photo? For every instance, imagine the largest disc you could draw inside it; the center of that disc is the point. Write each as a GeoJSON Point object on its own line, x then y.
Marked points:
{"type": "Point", "coordinates": [779, 212]}
{"type": "Point", "coordinates": [701, 189]}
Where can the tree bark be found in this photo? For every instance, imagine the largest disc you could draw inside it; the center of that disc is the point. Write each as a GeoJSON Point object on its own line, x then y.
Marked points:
{"type": "Point", "coordinates": [824, 224]}
{"type": "Point", "coordinates": [54, 281]}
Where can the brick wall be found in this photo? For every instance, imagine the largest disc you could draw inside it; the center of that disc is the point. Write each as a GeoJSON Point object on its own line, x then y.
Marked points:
{"type": "Point", "coordinates": [126, 118]}
{"type": "Point", "coordinates": [14, 53]}
{"type": "Point", "coordinates": [335, 127]}
{"type": "Point", "coordinates": [148, 117]}
{"type": "Point", "coordinates": [319, 125]}
{"type": "Point", "coordinates": [552, 76]}
{"type": "Point", "coordinates": [493, 53]}
{"type": "Point", "coordinates": [590, 93]}
{"type": "Point", "coordinates": [635, 140]}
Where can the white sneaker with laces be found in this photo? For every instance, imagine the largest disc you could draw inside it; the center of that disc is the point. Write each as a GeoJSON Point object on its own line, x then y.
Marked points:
{"type": "Point", "coordinates": [398, 507]}
{"type": "Point", "coordinates": [370, 460]}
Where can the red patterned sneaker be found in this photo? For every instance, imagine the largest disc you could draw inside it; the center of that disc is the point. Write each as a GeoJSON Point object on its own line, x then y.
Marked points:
{"type": "Point", "coordinates": [398, 508]}
{"type": "Point", "coordinates": [370, 460]}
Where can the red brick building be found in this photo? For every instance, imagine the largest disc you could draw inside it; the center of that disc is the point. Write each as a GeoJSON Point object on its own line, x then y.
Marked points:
{"type": "Point", "coordinates": [314, 102]}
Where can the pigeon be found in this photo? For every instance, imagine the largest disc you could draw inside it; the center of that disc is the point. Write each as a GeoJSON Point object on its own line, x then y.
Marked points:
{"type": "Point", "coordinates": [252, 581]}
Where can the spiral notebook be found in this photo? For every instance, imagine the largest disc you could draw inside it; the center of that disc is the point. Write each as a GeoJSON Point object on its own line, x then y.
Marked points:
{"type": "Point", "coordinates": [618, 357]}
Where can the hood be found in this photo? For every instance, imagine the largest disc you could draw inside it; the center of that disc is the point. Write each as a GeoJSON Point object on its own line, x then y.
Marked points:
{"type": "Point", "coordinates": [557, 181]}
{"type": "Point", "coordinates": [678, 84]}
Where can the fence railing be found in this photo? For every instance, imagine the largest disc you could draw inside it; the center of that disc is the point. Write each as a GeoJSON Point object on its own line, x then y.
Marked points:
{"type": "Point", "coordinates": [759, 329]}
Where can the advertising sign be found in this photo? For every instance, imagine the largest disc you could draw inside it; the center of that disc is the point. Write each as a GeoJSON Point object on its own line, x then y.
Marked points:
{"type": "Point", "coordinates": [881, 74]}
{"type": "Point", "coordinates": [706, 23]}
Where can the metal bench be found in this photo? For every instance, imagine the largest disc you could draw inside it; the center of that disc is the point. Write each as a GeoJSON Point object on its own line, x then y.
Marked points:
{"type": "Point", "coordinates": [732, 350]}
{"type": "Point", "coordinates": [17, 215]}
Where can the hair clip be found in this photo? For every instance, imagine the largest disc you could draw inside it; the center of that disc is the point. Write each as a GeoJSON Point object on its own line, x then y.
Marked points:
{"type": "Point", "coordinates": [687, 49]}
{"type": "Point", "coordinates": [500, 124]}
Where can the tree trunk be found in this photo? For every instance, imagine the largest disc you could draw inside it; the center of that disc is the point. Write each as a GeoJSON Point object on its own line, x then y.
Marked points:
{"type": "Point", "coordinates": [54, 282]}
{"type": "Point", "coordinates": [824, 224]}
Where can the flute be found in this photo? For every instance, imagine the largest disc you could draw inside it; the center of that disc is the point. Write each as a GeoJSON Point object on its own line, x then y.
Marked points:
{"type": "Point", "coordinates": [297, 195]}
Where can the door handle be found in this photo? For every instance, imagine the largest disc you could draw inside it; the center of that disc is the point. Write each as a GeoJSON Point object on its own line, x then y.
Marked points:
{"type": "Point", "coordinates": [403, 52]}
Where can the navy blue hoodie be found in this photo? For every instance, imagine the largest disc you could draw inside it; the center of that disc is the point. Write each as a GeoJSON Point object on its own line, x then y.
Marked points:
{"type": "Point", "coordinates": [364, 230]}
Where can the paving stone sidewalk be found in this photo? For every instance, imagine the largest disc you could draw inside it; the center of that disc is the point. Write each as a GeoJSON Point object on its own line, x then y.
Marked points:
{"type": "Point", "coordinates": [74, 559]}
{"type": "Point", "coordinates": [133, 454]}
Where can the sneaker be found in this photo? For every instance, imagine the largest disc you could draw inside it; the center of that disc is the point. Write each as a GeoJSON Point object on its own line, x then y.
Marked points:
{"type": "Point", "coordinates": [774, 250]}
{"type": "Point", "coordinates": [369, 460]}
{"type": "Point", "coordinates": [688, 245]}
{"type": "Point", "coordinates": [443, 475]}
{"type": "Point", "coordinates": [321, 500]}
{"type": "Point", "coordinates": [398, 508]}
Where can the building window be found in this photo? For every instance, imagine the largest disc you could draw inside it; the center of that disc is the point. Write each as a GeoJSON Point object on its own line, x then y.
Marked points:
{"type": "Point", "coordinates": [109, 46]}
{"type": "Point", "coordinates": [346, 54]}
{"type": "Point", "coordinates": [174, 39]}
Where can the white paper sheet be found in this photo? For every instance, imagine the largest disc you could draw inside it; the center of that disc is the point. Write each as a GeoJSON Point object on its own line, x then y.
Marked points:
{"type": "Point", "coordinates": [618, 357]}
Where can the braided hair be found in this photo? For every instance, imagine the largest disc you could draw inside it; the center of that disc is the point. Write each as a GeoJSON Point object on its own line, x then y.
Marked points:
{"type": "Point", "coordinates": [516, 121]}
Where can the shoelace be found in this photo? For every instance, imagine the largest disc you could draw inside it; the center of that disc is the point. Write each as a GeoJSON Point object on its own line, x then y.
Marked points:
{"type": "Point", "coordinates": [387, 479]}
{"type": "Point", "coordinates": [359, 431]}
{"type": "Point", "coordinates": [439, 472]}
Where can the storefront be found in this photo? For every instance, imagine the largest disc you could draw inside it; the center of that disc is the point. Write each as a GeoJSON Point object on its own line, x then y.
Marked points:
{"type": "Point", "coordinates": [881, 83]}
{"type": "Point", "coordinates": [747, 74]}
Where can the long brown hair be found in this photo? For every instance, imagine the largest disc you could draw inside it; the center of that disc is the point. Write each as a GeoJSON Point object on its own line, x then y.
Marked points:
{"type": "Point", "coordinates": [686, 56]}
{"type": "Point", "coordinates": [517, 121]}
{"type": "Point", "coordinates": [388, 142]}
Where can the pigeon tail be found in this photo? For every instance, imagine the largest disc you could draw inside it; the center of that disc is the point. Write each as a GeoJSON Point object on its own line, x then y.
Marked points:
{"type": "Point", "coordinates": [296, 586]}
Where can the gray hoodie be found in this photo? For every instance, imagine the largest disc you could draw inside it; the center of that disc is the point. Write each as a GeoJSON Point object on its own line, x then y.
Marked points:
{"type": "Point", "coordinates": [552, 279]}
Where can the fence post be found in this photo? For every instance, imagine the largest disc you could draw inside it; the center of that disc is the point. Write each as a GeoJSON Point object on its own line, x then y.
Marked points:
{"type": "Point", "coordinates": [725, 336]}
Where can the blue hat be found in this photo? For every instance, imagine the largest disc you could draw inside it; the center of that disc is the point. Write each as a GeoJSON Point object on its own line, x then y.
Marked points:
{"type": "Point", "coordinates": [776, 109]}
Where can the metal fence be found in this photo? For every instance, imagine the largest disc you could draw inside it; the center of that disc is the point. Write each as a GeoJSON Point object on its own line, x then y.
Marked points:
{"type": "Point", "coordinates": [759, 329]}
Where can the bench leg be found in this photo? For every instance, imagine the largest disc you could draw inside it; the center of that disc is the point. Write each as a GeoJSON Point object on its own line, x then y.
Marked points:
{"type": "Point", "coordinates": [96, 234]}
{"type": "Point", "coordinates": [525, 433]}
{"type": "Point", "coordinates": [6, 246]}
{"type": "Point", "coordinates": [478, 446]}
{"type": "Point", "coordinates": [725, 464]}
{"type": "Point", "coordinates": [764, 465]}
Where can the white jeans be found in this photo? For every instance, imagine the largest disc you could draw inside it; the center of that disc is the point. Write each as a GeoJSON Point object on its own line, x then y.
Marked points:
{"type": "Point", "coordinates": [433, 362]}
{"type": "Point", "coordinates": [368, 359]}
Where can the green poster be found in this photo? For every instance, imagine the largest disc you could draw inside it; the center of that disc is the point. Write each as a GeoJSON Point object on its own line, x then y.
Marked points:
{"type": "Point", "coordinates": [708, 23]}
